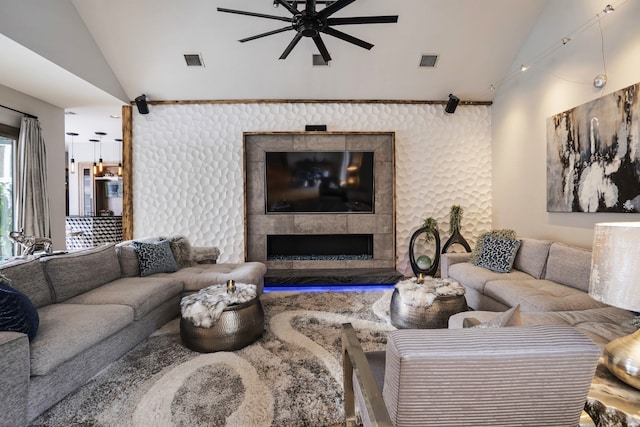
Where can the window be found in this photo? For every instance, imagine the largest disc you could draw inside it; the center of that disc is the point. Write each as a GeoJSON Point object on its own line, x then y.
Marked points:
{"type": "Point", "coordinates": [8, 138]}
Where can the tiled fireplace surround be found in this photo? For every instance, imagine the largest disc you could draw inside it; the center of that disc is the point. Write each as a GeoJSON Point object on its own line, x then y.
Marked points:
{"type": "Point", "coordinates": [379, 224]}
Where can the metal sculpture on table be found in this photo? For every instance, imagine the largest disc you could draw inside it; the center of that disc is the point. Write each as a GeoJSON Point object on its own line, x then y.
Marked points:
{"type": "Point", "coordinates": [31, 244]}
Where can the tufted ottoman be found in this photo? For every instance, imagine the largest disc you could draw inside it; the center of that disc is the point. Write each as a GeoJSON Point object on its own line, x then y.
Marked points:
{"type": "Point", "coordinates": [239, 325]}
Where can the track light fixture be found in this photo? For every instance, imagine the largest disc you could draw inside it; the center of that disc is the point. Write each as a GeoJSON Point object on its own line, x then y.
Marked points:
{"type": "Point", "coordinates": [72, 164]}
{"type": "Point", "coordinates": [608, 9]}
{"type": "Point", "coordinates": [452, 104]}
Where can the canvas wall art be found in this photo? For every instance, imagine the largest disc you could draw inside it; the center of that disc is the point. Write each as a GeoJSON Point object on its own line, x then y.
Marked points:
{"type": "Point", "coordinates": [593, 155]}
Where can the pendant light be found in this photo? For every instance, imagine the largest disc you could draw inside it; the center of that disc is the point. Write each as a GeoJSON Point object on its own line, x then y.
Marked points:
{"type": "Point", "coordinates": [95, 165]}
{"type": "Point", "coordinates": [100, 164]}
{"type": "Point", "coordinates": [119, 141]}
{"type": "Point", "coordinates": [72, 164]}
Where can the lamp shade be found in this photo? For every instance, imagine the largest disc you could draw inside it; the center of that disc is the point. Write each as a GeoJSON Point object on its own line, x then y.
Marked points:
{"type": "Point", "coordinates": [615, 264]}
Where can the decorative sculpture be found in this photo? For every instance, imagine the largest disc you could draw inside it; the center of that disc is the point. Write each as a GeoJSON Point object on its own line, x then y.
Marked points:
{"type": "Point", "coordinates": [430, 231]}
{"type": "Point", "coordinates": [31, 244]}
{"type": "Point", "coordinates": [455, 218]}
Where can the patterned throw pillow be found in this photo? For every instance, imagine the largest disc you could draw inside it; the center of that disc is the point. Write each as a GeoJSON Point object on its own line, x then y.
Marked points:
{"type": "Point", "coordinates": [17, 313]}
{"type": "Point", "coordinates": [498, 254]}
{"type": "Point", "coordinates": [505, 233]}
{"type": "Point", "coordinates": [155, 257]}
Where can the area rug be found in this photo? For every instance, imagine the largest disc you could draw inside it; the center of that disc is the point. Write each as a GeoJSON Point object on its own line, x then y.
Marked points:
{"type": "Point", "coordinates": [292, 376]}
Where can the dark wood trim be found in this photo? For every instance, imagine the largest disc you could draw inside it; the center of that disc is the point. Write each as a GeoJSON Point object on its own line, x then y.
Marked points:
{"type": "Point", "coordinates": [127, 174]}
{"type": "Point", "coordinates": [312, 101]}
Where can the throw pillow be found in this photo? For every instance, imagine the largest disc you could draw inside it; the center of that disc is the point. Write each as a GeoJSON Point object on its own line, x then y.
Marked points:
{"type": "Point", "coordinates": [498, 254]}
{"type": "Point", "coordinates": [155, 257]}
{"type": "Point", "coordinates": [17, 313]}
{"type": "Point", "coordinates": [507, 318]}
{"type": "Point", "coordinates": [181, 249]}
{"type": "Point", "coordinates": [501, 234]}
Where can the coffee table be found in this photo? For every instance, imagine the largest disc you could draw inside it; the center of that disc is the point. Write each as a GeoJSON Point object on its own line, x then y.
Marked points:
{"type": "Point", "coordinates": [405, 315]}
{"type": "Point", "coordinates": [238, 326]}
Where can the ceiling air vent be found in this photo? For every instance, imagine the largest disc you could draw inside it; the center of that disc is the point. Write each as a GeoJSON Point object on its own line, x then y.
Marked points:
{"type": "Point", "coordinates": [318, 61]}
{"type": "Point", "coordinates": [428, 61]}
{"type": "Point", "coordinates": [193, 60]}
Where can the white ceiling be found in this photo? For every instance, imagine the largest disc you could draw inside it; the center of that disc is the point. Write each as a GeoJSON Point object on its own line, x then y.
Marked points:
{"type": "Point", "coordinates": [143, 41]}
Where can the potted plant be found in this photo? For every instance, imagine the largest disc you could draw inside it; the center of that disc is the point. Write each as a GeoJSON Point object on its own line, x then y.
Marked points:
{"type": "Point", "coordinates": [455, 221]}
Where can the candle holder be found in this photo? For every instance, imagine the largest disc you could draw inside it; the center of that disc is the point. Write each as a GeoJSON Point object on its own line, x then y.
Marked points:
{"type": "Point", "coordinates": [231, 286]}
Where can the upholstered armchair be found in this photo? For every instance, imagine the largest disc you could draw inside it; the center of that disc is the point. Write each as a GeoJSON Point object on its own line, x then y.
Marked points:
{"type": "Point", "coordinates": [524, 376]}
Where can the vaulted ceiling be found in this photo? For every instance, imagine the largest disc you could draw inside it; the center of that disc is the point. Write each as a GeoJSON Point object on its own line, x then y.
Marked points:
{"type": "Point", "coordinates": [143, 43]}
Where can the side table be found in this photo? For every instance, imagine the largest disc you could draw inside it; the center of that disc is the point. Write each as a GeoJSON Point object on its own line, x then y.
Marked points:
{"type": "Point", "coordinates": [427, 316]}
{"type": "Point", "coordinates": [611, 402]}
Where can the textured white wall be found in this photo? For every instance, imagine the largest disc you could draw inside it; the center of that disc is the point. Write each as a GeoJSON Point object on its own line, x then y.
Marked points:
{"type": "Point", "coordinates": [188, 165]}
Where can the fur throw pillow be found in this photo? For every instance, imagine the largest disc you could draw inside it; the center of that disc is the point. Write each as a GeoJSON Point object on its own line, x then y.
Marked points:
{"type": "Point", "coordinates": [181, 249]}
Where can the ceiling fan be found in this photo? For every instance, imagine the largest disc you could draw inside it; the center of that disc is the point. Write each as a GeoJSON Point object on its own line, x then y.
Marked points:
{"type": "Point", "coordinates": [310, 22]}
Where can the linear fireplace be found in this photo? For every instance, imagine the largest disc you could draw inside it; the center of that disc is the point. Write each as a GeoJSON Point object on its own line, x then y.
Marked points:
{"type": "Point", "coordinates": [320, 247]}
{"type": "Point", "coordinates": [346, 236]}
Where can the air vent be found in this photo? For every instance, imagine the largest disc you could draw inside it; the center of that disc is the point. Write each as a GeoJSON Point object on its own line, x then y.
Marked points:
{"type": "Point", "coordinates": [193, 60]}
{"type": "Point", "coordinates": [318, 61]}
{"type": "Point", "coordinates": [428, 60]}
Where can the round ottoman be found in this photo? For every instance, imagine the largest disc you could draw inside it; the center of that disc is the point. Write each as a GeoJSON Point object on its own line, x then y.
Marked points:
{"type": "Point", "coordinates": [238, 326]}
{"type": "Point", "coordinates": [447, 296]}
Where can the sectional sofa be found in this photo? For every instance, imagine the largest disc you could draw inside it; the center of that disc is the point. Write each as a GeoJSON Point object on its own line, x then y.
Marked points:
{"type": "Point", "coordinates": [550, 282]}
{"type": "Point", "coordinates": [93, 307]}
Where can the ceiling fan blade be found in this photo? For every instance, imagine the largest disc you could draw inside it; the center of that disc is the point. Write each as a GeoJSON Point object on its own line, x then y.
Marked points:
{"type": "Point", "coordinates": [258, 15]}
{"type": "Point", "coordinates": [333, 8]}
{"type": "Point", "coordinates": [310, 7]}
{"type": "Point", "coordinates": [288, 6]}
{"type": "Point", "coordinates": [346, 37]}
{"type": "Point", "coordinates": [322, 48]}
{"type": "Point", "coordinates": [389, 19]}
{"type": "Point", "coordinates": [268, 33]}
{"type": "Point", "coordinates": [289, 48]}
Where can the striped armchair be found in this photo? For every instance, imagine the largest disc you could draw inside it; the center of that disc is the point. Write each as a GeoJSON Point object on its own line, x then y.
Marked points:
{"type": "Point", "coordinates": [524, 376]}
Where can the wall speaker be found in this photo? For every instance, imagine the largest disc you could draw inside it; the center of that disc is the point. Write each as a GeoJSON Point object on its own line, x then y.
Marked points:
{"type": "Point", "coordinates": [452, 104]}
{"type": "Point", "coordinates": [141, 103]}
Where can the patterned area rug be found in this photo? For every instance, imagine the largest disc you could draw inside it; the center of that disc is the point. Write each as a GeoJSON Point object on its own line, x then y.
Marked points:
{"type": "Point", "coordinates": [292, 376]}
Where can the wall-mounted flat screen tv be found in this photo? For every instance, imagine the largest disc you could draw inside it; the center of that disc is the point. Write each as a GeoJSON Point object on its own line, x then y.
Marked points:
{"type": "Point", "coordinates": [319, 181]}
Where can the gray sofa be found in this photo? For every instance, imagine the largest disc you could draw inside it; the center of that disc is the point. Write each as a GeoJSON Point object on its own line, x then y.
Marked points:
{"type": "Point", "coordinates": [92, 310]}
{"type": "Point", "coordinates": [549, 280]}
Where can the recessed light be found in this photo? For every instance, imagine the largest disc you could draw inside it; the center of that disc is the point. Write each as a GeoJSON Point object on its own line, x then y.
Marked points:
{"type": "Point", "coordinates": [70, 113]}
{"type": "Point", "coordinates": [114, 116]}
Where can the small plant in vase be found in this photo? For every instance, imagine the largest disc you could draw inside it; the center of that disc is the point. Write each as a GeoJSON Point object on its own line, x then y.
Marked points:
{"type": "Point", "coordinates": [423, 264]}
{"type": "Point", "coordinates": [455, 221]}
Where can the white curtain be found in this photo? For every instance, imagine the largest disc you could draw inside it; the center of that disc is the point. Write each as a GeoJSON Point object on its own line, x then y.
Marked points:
{"type": "Point", "coordinates": [32, 195]}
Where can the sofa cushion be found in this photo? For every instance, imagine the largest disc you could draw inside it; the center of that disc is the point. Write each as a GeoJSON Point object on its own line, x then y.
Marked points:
{"type": "Point", "coordinates": [143, 294]}
{"type": "Point", "coordinates": [28, 277]}
{"type": "Point", "coordinates": [155, 257]}
{"type": "Point", "coordinates": [69, 329]}
{"type": "Point", "coordinates": [17, 313]}
{"type": "Point", "coordinates": [77, 272]}
{"type": "Point", "coordinates": [539, 295]}
{"type": "Point", "coordinates": [204, 275]}
{"type": "Point", "coordinates": [600, 324]}
{"type": "Point", "coordinates": [532, 257]}
{"type": "Point", "coordinates": [569, 266]}
{"type": "Point", "coordinates": [472, 276]}
{"type": "Point", "coordinates": [498, 254]}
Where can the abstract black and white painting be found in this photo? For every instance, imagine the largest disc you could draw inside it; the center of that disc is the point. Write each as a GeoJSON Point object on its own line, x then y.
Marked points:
{"type": "Point", "coordinates": [593, 153]}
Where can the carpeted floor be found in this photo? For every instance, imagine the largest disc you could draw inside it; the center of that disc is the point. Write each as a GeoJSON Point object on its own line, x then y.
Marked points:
{"type": "Point", "coordinates": [292, 376]}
